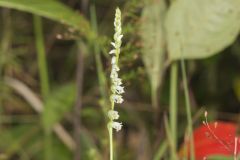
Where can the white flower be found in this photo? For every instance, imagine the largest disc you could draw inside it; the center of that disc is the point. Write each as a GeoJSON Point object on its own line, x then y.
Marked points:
{"type": "Point", "coordinates": [115, 68]}
{"type": "Point", "coordinates": [117, 89]}
{"type": "Point", "coordinates": [114, 74]}
{"type": "Point", "coordinates": [114, 60]}
{"type": "Point", "coordinates": [113, 114]}
{"type": "Point", "coordinates": [113, 44]}
{"type": "Point", "coordinates": [118, 44]}
{"type": "Point", "coordinates": [119, 38]}
{"type": "Point", "coordinates": [116, 98]}
{"type": "Point", "coordinates": [116, 125]}
{"type": "Point", "coordinates": [113, 51]}
{"type": "Point", "coordinates": [117, 81]}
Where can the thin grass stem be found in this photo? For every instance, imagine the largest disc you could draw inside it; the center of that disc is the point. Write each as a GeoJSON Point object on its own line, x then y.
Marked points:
{"type": "Point", "coordinates": [161, 150]}
{"type": "Point", "coordinates": [173, 103]}
{"type": "Point", "coordinates": [4, 48]}
{"type": "Point", "coordinates": [42, 62]}
{"type": "Point", "coordinates": [188, 109]}
{"type": "Point", "coordinates": [110, 130]}
{"type": "Point", "coordinates": [100, 72]}
{"type": "Point", "coordinates": [43, 74]}
{"type": "Point", "coordinates": [169, 138]}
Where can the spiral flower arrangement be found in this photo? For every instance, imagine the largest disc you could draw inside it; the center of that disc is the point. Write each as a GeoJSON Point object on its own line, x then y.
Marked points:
{"type": "Point", "coordinates": [116, 83]}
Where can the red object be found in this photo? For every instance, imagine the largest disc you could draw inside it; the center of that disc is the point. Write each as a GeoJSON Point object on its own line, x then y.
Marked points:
{"type": "Point", "coordinates": [215, 139]}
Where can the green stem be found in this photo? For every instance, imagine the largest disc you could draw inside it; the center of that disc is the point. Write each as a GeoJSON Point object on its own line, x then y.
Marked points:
{"type": "Point", "coordinates": [4, 48]}
{"type": "Point", "coordinates": [169, 138]}
{"type": "Point", "coordinates": [42, 65]}
{"type": "Point", "coordinates": [188, 109]}
{"type": "Point", "coordinates": [173, 103]}
{"type": "Point", "coordinates": [161, 150]}
{"type": "Point", "coordinates": [6, 38]}
{"type": "Point", "coordinates": [154, 96]}
{"type": "Point", "coordinates": [48, 145]}
{"type": "Point", "coordinates": [110, 130]}
{"type": "Point", "coordinates": [43, 74]}
{"type": "Point", "coordinates": [100, 72]}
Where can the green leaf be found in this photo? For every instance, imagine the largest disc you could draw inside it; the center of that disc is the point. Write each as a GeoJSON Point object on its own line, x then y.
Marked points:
{"type": "Point", "coordinates": [15, 139]}
{"type": "Point", "coordinates": [201, 28]}
{"type": "Point", "coordinates": [51, 9]}
{"type": "Point", "coordinates": [153, 38]}
{"type": "Point", "coordinates": [59, 151]}
{"type": "Point", "coordinates": [58, 104]}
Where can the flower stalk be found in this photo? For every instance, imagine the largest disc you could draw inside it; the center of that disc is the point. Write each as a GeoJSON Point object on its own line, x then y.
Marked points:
{"type": "Point", "coordinates": [116, 83]}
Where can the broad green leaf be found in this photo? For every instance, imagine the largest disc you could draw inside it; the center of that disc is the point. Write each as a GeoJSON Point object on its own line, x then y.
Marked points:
{"type": "Point", "coordinates": [153, 40]}
{"type": "Point", "coordinates": [58, 104]}
{"type": "Point", "coordinates": [201, 28]}
{"type": "Point", "coordinates": [51, 9]}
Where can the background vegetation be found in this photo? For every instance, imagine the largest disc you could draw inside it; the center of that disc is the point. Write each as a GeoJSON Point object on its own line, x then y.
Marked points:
{"type": "Point", "coordinates": [54, 75]}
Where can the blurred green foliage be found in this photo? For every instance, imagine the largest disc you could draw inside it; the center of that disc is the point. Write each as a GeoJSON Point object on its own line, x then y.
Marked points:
{"type": "Point", "coordinates": [150, 43]}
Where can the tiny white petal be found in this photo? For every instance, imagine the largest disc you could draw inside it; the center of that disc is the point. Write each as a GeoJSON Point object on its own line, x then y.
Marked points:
{"type": "Point", "coordinates": [117, 81]}
{"type": "Point", "coordinates": [113, 74]}
{"type": "Point", "coordinates": [119, 89]}
{"type": "Point", "coordinates": [114, 60]}
{"type": "Point", "coordinates": [113, 44]}
{"type": "Point", "coordinates": [113, 114]}
{"type": "Point", "coordinates": [116, 125]}
{"type": "Point", "coordinates": [115, 68]}
{"type": "Point", "coordinates": [120, 37]}
{"type": "Point", "coordinates": [112, 51]}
